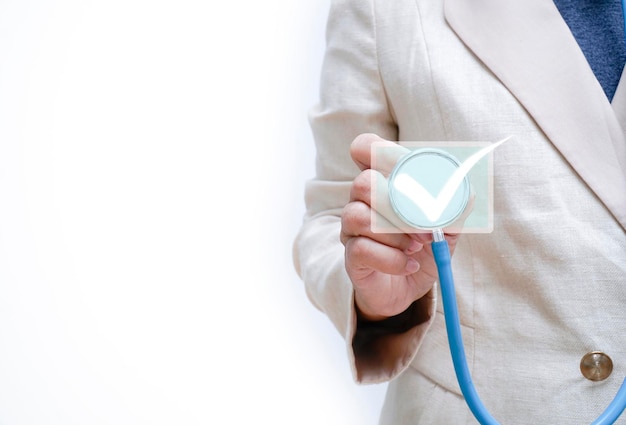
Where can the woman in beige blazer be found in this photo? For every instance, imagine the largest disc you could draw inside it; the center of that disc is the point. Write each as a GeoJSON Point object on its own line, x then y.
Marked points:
{"type": "Point", "coordinates": [542, 291]}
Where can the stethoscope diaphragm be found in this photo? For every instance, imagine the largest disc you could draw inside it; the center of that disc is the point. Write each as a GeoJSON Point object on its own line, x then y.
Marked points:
{"type": "Point", "coordinates": [426, 191]}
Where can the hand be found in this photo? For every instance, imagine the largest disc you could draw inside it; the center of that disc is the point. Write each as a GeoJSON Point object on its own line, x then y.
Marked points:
{"type": "Point", "coordinates": [389, 271]}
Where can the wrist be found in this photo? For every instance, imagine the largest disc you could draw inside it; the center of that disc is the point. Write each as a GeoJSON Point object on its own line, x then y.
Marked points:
{"type": "Point", "coordinates": [398, 323]}
{"type": "Point", "coordinates": [363, 316]}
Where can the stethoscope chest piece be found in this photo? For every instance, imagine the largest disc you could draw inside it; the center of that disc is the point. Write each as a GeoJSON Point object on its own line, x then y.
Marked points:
{"type": "Point", "coordinates": [417, 189]}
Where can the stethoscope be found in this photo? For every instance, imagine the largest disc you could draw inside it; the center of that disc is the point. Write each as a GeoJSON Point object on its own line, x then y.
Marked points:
{"type": "Point", "coordinates": [431, 170]}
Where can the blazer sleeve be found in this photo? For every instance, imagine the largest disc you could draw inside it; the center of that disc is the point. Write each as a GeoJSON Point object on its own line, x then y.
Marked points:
{"type": "Point", "coordinates": [352, 101]}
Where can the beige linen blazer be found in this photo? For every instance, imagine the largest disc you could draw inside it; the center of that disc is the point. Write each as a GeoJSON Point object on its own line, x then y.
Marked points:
{"type": "Point", "coordinates": [549, 284]}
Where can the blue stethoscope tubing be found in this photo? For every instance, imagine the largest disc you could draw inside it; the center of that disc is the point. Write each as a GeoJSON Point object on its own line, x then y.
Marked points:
{"type": "Point", "coordinates": [441, 253]}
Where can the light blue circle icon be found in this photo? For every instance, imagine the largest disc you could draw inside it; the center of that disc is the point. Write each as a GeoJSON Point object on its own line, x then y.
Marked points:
{"type": "Point", "coordinates": [426, 191]}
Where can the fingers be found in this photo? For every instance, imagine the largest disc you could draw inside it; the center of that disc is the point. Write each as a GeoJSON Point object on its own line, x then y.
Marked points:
{"type": "Point", "coordinates": [377, 158]}
{"type": "Point", "coordinates": [371, 188]}
{"type": "Point", "coordinates": [369, 151]}
{"type": "Point", "coordinates": [366, 249]}
{"type": "Point", "coordinates": [356, 221]}
{"type": "Point", "coordinates": [364, 255]}
{"type": "Point", "coordinates": [360, 149]}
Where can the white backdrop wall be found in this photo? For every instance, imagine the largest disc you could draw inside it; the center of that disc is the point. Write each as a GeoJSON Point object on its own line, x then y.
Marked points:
{"type": "Point", "coordinates": [152, 161]}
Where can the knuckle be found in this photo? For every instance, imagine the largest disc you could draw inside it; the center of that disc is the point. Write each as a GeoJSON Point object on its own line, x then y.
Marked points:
{"type": "Point", "coordinates": [355, 218]}
{"type": "Point", "coordinates": [344, 238]}
{"type": "Point", "coordinates": [357, 248]}
{"type": "Point", "coordinates": [360, 148]}
{"type": "Point", "coordinates": [362, 186]}
{"type": "Point", "coordinates": [363, 139]}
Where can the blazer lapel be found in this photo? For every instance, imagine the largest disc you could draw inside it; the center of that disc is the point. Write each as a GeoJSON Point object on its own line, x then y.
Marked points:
{"type": "Point", "coordinates": [619, 101]}
{"type": "Point", "coordinates": [529, 47]}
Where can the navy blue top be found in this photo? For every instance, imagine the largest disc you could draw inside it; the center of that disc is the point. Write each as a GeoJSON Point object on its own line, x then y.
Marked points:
{"type": "Point", "coordinates": [598, 26]}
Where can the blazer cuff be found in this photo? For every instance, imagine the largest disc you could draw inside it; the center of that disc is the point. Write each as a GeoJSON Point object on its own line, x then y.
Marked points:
{"type": "Point", "coordinates": [381, 350]}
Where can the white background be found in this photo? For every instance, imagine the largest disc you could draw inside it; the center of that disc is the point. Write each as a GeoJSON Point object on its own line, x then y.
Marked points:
{"type": "Point", "coordinates": [152, 161]}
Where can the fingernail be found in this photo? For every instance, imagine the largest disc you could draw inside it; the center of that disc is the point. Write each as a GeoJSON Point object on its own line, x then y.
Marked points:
{"type": "Point", "coordinates": [414, 246]}
{"type": "Point", "coordinates": [412, 265]}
